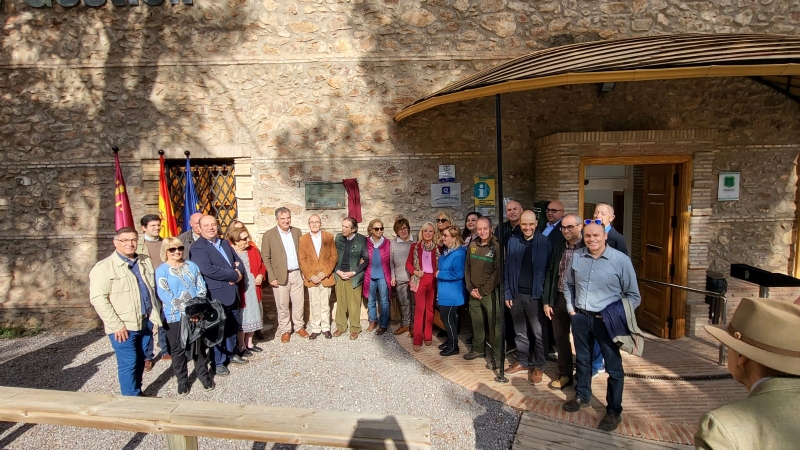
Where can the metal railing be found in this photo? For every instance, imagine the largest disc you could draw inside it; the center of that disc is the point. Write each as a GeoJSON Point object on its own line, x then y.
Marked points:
{"type": "Point", "coordinates": [723, 316]}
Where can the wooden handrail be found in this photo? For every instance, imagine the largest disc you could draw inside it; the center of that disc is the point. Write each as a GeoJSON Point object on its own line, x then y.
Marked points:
{"type": "Point", "coordinates": [184, 420]}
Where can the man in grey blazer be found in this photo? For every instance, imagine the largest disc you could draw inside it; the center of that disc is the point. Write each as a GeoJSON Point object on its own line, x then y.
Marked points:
{"type": "Point", "coordinates": [280, 250]}
{"type": "Point", "coordinates": [764, 356]}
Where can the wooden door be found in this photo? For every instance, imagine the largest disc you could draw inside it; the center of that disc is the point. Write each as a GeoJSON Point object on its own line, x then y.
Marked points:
{"type": "Point", "coordinates": [658, 227]}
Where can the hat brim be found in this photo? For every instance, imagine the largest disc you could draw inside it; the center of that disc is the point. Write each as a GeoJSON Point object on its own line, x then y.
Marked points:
{"type": "Point", "coordinates": [783, 363]}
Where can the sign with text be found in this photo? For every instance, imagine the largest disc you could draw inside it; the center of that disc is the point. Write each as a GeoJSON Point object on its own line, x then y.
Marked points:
{"type": "Point", "coordinates": [447, 173]}
{"type": "Point", "coordinates": [325, 196]}
{"type": "Point", "coordinates": [728, 186]}
{"type": "Point", "coordinates": [446, 195]}
{"type": "Point", "coordinates": [484, 191]}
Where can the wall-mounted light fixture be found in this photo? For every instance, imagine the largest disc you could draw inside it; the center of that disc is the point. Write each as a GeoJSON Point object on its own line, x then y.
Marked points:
{"type": "Point", "coordinates": [607, 87]}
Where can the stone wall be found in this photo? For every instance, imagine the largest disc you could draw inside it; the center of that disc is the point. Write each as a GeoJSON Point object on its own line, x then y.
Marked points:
{"type": "Point", "coordinates": [300, 91]}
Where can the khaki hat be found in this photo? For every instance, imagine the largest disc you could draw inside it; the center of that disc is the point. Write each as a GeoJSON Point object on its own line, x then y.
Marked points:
{"type": "Point", "coordinates": [766, 331]}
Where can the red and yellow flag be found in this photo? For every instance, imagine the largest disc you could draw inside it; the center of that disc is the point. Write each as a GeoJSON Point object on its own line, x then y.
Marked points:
{"type": "Point", "coordinates": [122, 207]}
{"type": "Point", "coordinates": [168, 226]}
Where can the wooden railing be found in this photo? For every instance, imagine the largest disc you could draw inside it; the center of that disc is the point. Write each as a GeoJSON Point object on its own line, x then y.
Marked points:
{"type": "Point", "coordinates": [184, 420]}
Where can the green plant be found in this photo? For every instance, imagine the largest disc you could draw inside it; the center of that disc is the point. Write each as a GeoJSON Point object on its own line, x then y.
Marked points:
{"type": "Point", "coordinates": [14, 332]}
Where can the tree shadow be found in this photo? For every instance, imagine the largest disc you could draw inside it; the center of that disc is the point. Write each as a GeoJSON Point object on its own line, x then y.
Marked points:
{"type": "Point", "coordinates": [55, 375]}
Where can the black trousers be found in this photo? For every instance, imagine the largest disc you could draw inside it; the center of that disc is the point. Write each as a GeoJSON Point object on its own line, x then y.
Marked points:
{"type": "Point", "coordinates": [528, 314]}
{"type": "Point", "coordinates": [561, 331]}
{"type": "Point", "coordinates": [180, 358]}
{"type": "Point", "coordinates": [449, 315]}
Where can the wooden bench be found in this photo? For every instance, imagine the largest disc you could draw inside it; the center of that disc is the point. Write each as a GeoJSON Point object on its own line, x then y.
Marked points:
{"type": "Point", "coordinates": [184, 420]}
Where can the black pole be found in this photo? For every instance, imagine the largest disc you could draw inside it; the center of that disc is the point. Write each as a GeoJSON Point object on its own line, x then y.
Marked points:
{"type": "Point", "coordinates": [499, 308]}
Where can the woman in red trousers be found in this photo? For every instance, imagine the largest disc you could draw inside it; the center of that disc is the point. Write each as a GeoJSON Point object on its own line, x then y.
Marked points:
{"type": "Point", "coordinates": [421, 264]}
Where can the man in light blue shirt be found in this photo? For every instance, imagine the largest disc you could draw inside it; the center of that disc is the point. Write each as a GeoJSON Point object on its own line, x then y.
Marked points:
{"type": "Point", "coordinates": [598, 276]}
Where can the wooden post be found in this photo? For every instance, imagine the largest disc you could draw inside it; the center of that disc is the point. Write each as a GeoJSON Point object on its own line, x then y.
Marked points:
{"type": "Point", "coordinates": [178, 442]}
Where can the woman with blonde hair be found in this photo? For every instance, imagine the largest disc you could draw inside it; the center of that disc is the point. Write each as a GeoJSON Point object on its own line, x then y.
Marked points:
{"type": "Point", "coordinates": [178, 281]}
{"type": "Point", "coordinates": [249, 288]}
{"type": "Point", "coordinates": [443, 222]}
{"type": "Point", "coordinates": [378, 276]}
{"type": "Point", "coordinates": [421, 264]}
{"type": "Point", "coordinates": [450, 287]}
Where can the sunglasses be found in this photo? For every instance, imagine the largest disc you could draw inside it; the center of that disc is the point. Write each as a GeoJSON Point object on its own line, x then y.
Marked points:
{"type": "Point", "coordinates": [591, 221]}
{"type": "Point", "coordinates": [377, 229]}
{"type": "Point", "coordinates": [442, 220]}
{"type": "Point", "coordinates": [175, 249]}
{"type": "Point", "coordinates": [551, 211]}
{"type": "Point", "coordinates": [246, 238]}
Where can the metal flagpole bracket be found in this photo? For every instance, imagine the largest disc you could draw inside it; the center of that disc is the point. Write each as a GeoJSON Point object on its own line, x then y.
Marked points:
{"type": "Point", "coordinates": [186, 152]}
{"type": "Point", "coordinates": [161, 152]}
{"type": "Point", "coordinates": [115, 149]}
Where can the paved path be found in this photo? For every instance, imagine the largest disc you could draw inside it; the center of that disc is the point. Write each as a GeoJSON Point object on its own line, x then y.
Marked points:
{"type": "Point", "coordinates": [656, 409]}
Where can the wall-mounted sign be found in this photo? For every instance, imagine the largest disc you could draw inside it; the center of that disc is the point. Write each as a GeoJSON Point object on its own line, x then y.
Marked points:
{"type": "Point", "coordinates": [98, 3]}
{"type": "Point", "coordinates": [728, 186]}
{"type": "Point", "coordinates": [325, 196]}
{"type": "Point", "coordinates": [447, 173]}
{"type": "Point", "coordinates": [446, 195]}
{"type": "Point", "coordinates": [484, 191]}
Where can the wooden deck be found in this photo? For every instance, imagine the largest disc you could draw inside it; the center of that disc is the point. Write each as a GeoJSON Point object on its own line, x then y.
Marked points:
{"type": "Point", "coordinates": [538, 433]}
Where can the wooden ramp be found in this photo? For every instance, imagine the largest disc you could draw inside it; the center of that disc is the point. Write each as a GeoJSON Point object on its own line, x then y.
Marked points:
{"type": "Point", "coordinates": [539, 433]}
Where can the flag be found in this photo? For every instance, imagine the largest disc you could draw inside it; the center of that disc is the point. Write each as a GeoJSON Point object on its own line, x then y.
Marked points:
{"type": "Point", "coordinates": [190, 203]}
{"type": "Point", "coordinates": [122, 207]}
{"type": "Point", "coordinates": [168, 226]}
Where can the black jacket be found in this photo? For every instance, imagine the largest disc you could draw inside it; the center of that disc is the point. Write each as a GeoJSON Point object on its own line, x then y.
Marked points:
{"type": "Point", "coordinates": [551, 278]}
{"type": "Point", "coordinates": [616, 241]}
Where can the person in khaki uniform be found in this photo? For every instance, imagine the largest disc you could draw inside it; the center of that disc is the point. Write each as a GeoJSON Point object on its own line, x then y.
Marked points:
{"type": "Point", "coordinates": [121, 291]}
{"type": "Point", "coordinates": [482, 277]}
{"type": "Point", "coordinates": [318, 258]}
{"type": "Point", "coordinates": [764, 356]}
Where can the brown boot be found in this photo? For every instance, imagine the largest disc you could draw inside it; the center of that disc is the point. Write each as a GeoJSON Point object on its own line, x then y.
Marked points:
{"type": "Point", "coordinates": [535, 376]}
{"type": "Point", "coordinates": [401, 330]}
{"type": "Point", "coordinates": [517, 367]}
{"type": "Point", "coordinates": [372, 326]}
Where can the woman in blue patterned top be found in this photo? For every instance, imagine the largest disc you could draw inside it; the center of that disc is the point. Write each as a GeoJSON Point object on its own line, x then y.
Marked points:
{"type": "Point", "coordinates": [178, 281]}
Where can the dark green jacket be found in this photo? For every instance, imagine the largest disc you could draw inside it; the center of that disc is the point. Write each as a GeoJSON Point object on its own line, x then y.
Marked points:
{"type": "Point", "coordinates": [358, 261]}
{"type": "Point", "coordinates": [551, 277]}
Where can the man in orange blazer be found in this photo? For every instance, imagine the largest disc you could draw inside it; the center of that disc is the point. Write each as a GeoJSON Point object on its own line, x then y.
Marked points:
{"type": "Point", "coordinates": [317, 260]}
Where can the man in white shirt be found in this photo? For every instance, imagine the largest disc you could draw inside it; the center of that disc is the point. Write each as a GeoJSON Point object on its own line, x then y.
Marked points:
{"type": "Point", "coordinates": [280, 250]}
{"type": "Point", "coordinates": [317, 260]}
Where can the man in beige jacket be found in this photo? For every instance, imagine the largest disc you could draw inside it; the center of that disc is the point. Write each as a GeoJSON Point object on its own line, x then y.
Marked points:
{"type": "Point", "coordinates": [121, 291]}
{"type": "Point", "coordinates": [279, 248]}
{"type": "Point", "coordinates": [318, 258]}
{"type": "Point", "coordinates": [764, 356]}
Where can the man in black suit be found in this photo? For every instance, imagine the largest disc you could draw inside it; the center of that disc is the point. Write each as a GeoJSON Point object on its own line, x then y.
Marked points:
{"type": "Point", "coordinates": [552, 228]}
{"type": "Point", "coordinates": [222, 270]}
{"type": "Point", "coordinates": [605, 212]}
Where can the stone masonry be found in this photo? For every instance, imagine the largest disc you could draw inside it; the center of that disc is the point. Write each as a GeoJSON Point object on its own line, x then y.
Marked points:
{"type": "Point", "coordinates": [305, 90]}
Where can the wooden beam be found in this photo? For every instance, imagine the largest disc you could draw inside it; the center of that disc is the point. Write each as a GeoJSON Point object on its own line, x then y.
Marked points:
{"type": "Point", "coordinates": [186, 419]}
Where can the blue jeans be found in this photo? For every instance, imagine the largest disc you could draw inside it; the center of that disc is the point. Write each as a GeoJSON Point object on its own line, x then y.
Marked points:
{"type": "Point", "coordinates": [130, 358]}
{"type": "Point", "coordinates": [163, 344]}
{"type": "Point", "coordinates": [586, 330]}
{"type": "Point", "coordinates": [378, 287]}
{"type": "Point", "coordinates": [597, 359]}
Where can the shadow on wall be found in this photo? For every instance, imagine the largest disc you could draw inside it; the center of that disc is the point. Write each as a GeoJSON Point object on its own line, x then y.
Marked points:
{"type": "Point", "coordinates": [86, 79]}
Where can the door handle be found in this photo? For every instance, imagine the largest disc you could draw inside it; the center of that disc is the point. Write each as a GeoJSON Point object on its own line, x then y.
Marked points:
{"type": "Point", "coordinates": [653, 248]}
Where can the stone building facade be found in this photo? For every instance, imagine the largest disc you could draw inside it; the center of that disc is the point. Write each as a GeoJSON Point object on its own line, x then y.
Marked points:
{"type": "Point", "coordinates": [304, 90]}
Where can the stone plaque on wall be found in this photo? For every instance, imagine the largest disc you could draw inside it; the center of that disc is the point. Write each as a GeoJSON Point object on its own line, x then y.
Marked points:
{"type": "Point", "coordinates": [325, 196]}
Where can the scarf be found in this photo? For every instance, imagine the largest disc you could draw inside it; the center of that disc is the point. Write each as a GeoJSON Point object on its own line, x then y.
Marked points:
{"type": "Point", "coordinates": [432, 247]}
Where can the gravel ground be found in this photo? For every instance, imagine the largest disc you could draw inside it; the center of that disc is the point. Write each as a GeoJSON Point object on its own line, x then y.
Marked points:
{"type": "Point", "coordinates": [372, 374]}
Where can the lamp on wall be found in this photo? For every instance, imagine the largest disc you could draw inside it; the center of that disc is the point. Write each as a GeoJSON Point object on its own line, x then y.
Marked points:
{"type": "Point", "coordinates": [607, 87]}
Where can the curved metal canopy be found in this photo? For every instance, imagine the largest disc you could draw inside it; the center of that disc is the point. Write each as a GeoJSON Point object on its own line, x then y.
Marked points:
{"type": "Point", "coordinates": [776, 58]}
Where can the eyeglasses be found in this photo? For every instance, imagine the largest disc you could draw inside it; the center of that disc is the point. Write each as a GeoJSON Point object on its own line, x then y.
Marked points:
{"type": "Point", "coordinates": [126, 241]}
{"type": "Point", "coordinates": [570, 227]}
{"type": "Point", "coordinates": [442, 220]}
{"type": "Point", "coordinates": [314, 222]}
{"type": "Point", "coordinates": [591, 221]}
{"type": "Point", "coordinates": [377, 229]}
{"type": "Point", "coordinates": [175, 249]}
{"type": "Point", "coordinates": [550, 211]}
{"type": "Point", "coordinates": [246, 238]}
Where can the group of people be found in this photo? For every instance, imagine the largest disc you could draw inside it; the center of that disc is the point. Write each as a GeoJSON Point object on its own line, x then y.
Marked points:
{"type": "Point", "coordinates": [567, 275]}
